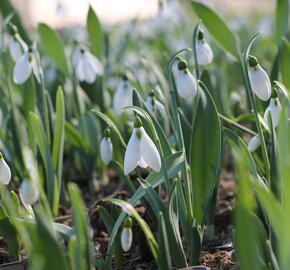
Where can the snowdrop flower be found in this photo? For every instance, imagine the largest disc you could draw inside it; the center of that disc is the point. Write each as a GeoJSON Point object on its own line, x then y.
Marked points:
{"type": "Point", "coordinates": [259, 79]}
{"type": "Point", "coordinates": [106, 147]}
{"type": "Point", "coordinates": [24, 66]}
{"type": "Point", "coordinates": [154, 106]}
{"type": "Point", "coordinates": [186, 83]}
{"type": "Point", "coordinates": [254, 143]}
{"type": "Point", "coordinates": [15, 48]}
{"type": "Point", "coordinates": [141, 151]}
{"type": "Point", "coordinates": [274, 108]}
{"type": "Point", "coordinates": [123, 96]}
{"type": "Point", "coordinates": [86, 65]}
{"type": "Point", "coordinates": [28, 192]}
{"type": "Point", "coordinates": [204, 52]}
{"type": "Point", "coordinates": [5, 173]}
{"type": "Point", "coordinates": [174, 69]}
{"type": "Point", "coordinates": [127, 234]}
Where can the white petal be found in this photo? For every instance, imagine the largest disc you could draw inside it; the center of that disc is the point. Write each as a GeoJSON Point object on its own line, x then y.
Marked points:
{"type": "Point", "coordinates": [260, 83]}
{"type": "Point", "coordinates": [94, 63]}
{"type": "Point", "coordinates": [76, 55]}
{"type": "Point", "coordinates": [106, 150]}
{"type": "Point", "coordinates": [80, 70]}
{"type": "Point", "coordinates": [5, 173]}
{"type": "Point", "coordinates": [186, 85]}
{"type": "Point", "coordinates": [29, 192]}
{"type": "Point", "coordinates": [122, 97]}
{"type": "Point", "coordinates": [204, 53]}
{"type": "Point", "coordinates": [175, 71]}
{"type": "Point", "coordinates": [142, 163]}
{"type": "Point", "coordinates": [126, 238]}
{"type": "Point", "coordinates": [35, 68]}
{"type": "Point", "coordinates": [254, 143]}
{"type": "Point", "coordinates": [22, 69]}
{"type": "Point", "coordinates": [132, 154]}
{"type": "Point", "coordinates": [149, 151]}
{"type": "Point", "coordinates": [89, 73]}
{"type": "Point", "coordinates": [274, 108]}
{"type": "Point", "coordinates": [15, 49]}
{"type": "Point", "coordinates": [161, 109]}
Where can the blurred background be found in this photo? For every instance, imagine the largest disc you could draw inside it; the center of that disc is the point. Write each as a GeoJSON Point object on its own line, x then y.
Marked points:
{"type": "Point", "coordinates": [63, 13]}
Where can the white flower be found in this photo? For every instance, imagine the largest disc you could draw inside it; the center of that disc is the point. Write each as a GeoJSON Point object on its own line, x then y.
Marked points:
{"type": "Point", "coordinates": [259, 80]}
{"type": "Point", "coordinates": [29, 192]}
{"type": "Point", "coordinates": [154, 106]}
{"type": "Point", "coordinates": [106, 148]}
{"type": "Point", "coordinates": [126, 234]}
{"type": "Point", "coordinates": [5, 173]}
{"type": "Point", "coordinates": [186, 83]}
{"type": "Point", "coordinates": [274, 108]}
{"type": "Point", "coordinates": [86, 65]}
{"type": "Point", "coordinates": [24, 66]}
{"type": "Point", "coordinates": [15, 49]}
{"type": "Point", "coordinates": [254, 143]}
{"type": "Point", "coordinates": [123, 96]}
{"type": "Point", "coordinates": [204, 52]}
{"type": "Point", "coordinates": [141, 151]}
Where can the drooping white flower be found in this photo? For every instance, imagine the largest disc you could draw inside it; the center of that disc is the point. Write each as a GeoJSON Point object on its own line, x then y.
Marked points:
{"type": "Point", "coordinates": [259, 79]}
{"type": "Point", "coordinates": [204, 52]}
{"type": "Point", "coordinates": [141, 151]}
{"type": "Point", "coordinates": [106, 147]}
{"type": "Point", "coordinates": [86, 65]}
{"type": "Point", "coordinates": [5, 173]}
{"type": "Point", "coordinates": [274, 108]}
{"type": "Point", "coordinates": [154, 106]}
{"type": "Point", "coordinates": [186, 83]}
{"type": "Point", "coordinates": [127, 234]}
{"type": "Point", "coordinates": [123, 96]}
{"type": "Point", "coordinates": [15, 49]}
{"type": "Point", "coordinates": [254, 143]}
{"type": "Point", "coordinates": [29, 192]}
{"type": "Point", "coordinates": [24, 66]}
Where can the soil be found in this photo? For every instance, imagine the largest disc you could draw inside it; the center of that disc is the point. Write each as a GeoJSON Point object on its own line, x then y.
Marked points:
{"type": "Point", "coordinates": [217, 253]}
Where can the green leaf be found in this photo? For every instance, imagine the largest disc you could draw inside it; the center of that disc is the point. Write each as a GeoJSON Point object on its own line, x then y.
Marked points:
{"type": "Point", "coordinates": [285, 64]}
{"type": "Point", "coordinates": [82, 257]}
{"type": "Point", "coordinates": [8, 231]}
{"type": "Point", "coordinates": [94, 29]}
{"type": "Point", "coordinates": [217, 28]}
{"type": "Point", "coordinates": [58, 138]}
{"type": "Point", "coordinates": [205, 152]}
{"type": "Point", "coordinates": [282, 13]}
{"type": "Point", "coordinates": [53, 47]}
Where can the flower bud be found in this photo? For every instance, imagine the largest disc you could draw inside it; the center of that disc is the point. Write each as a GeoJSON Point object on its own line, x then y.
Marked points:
{"type": "Point", "coordinates": [274, 108]}
{"type": "Point", "coordinates": [28, 192]}
{"type": "Point", "coordinates": [106, 147]}
{"type": "Point", "coordinates": [5, 173]}
{"type": "Point", "coordinates": [254, 143]}
{"type": "Point", "coordinates": [126, 234]}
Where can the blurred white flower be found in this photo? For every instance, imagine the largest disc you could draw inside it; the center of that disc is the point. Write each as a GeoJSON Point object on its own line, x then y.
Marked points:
{"type": "Point", "coordinates": [86, 65]}
{"type": "Point", "coordinates": [123, 96]}
{"type": "Point", "coordinates": [274, 108]}
{"type": "Point", "coordinates": [154, 106]}
{"type": "Point", "coordinates": [204, 52]}
{"type": "Point", "coordinates": [106, 147]}
{"type": "Point", "coordinates": [127, 234]}
{"type": "Point", "coordinates": [186, 83]}
{"type": "Point", "coordinates": [15, 49]}
{"type": "Point", "coordinates": [24, 66]}
{"type": "Point", "coordinates": [141, 151]}
{"type": "Point", "coordinates": [254, 143]}
{"type": "Point", "coordinates": [29, 192]}
{"type": "Point", "coordinates": [259, 80]}
{"type": "Point", "coordinates": [5, 173]}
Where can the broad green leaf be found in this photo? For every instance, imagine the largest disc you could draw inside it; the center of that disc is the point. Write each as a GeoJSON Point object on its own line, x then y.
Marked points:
{"type": "Point", "coordinates": [285, 64]}
{"type": "Point", "coordinates": [281, 16]}
{"type": "Point", "coordinates": [205, 152]}
{"type": "Point", "coordinates": [53, 47]}
{"type": "Point", "coordinates": [217, 28]}
{"type": "Point", "coordinates": [94, 29]}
